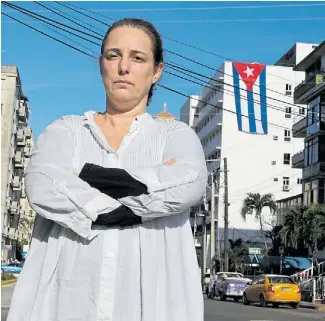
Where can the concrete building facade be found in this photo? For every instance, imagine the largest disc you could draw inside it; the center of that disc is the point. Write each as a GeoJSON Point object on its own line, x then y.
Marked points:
{"type": "Point", "coordinates": [258, 148]}
{"type": "Point", "coordinates": [16, 148]}
{"type": "Point", "coordinates": [311, 159]}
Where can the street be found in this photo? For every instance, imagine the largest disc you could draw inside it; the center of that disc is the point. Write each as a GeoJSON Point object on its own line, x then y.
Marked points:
{"type": "Point", "coordinates": [216, 310]}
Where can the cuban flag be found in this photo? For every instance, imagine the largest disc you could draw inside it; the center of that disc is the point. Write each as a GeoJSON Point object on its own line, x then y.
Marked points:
{"type": "Point", "coordinates": [250, 97]}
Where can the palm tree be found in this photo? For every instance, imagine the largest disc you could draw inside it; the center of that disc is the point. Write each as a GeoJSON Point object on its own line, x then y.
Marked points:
{"type": "Point", "coordinates": [314, 228]}
{"type": "Point", "coordinates": [292, 232]}
{"type": "Point", "coordinates": [256, 202]}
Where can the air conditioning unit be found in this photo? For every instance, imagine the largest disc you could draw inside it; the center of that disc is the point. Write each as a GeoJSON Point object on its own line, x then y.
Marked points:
{"type": "Point", "coordinates": [286, 188]}
{"type": "Point", "coordinates": [288, 93]}
{"type": "Point", "coordinates": [287, 116]}
{"type": "Point", "coordinates": [273, 163]}
{"type": "Point", "coordinates": [287, 139]}
{"type": "Point", "coordinates": [275, 137]}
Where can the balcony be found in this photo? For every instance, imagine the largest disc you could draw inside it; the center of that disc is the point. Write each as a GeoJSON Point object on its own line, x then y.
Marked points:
{"type": "Point", "coordinates": [21, 138]}
{"type": "Point", "coordinates": [299, 129]}
{"type": "Point", "coordinates": [298, 160]}
{"type": "Point", "coordinates": [8, 203]}
{"type": "Point", "coordinates": [313, 170]}
{"type": "Point", "coordinates": [18, 159]}
{"type": "Point", "coordinates": [22, 116]}
{"type": "Point", "coordinates": [27, 151]}
{"type": "Point", "coordinates": [28, 132]}
{"type": "Point", "coordinates": [303, 90]}
{"type": "Point", "coordinates": [14, 207]}
{"type": "Point", "coordinates": [12, 233]}
{"type": "Point", "coordinates": [16, 183]}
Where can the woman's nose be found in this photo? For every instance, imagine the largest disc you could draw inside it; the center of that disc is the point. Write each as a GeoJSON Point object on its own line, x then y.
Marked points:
{"type": "Point", "coordinates": [124, 66]}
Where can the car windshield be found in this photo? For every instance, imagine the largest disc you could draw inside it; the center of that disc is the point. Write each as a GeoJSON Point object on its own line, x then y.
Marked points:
{"type": "Point", "coordinates": [281, 279]}
{"type": "Point", "coordinates": [232, 275]}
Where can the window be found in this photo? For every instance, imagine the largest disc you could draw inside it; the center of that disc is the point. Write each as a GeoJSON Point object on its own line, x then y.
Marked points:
{"type": "Point", "coordinates": [286, 158]}
{"type": "Point", "coordinates": [299, 181]}
{"type": "Point", "coordinates": [286, 181]}
{"type": "Point", "coordinates": [301, 111]}
{"type": "Point", "coordinates": [288, 87]}
{"type": "Point", "coordinates": [287, 135]}
{"type": "Point", "coordinates": [288, 90]}
{"type": "Point", "coordinates": [288, 112]}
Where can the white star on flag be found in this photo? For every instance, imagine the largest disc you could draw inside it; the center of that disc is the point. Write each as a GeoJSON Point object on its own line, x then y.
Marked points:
{"type": "Point", "coordinates": [249, 72]}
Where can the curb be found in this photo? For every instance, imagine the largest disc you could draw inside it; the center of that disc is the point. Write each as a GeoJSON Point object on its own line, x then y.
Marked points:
{"type": "Point", "coordinates": [312, 307]}
{"type": "Point", "coordinates": [3, 283]}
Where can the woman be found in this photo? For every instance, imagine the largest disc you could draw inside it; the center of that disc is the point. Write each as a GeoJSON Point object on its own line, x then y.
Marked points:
{"type": "Point", "coordinates": [82, 267]}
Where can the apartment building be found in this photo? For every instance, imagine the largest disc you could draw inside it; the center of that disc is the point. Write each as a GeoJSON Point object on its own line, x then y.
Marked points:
{"type": "Point", "coordinates": [16, 148]}
{"type": "Point", "coordinates": [311, 159]}
{"type": "Point", "coordinates": [245, 113]}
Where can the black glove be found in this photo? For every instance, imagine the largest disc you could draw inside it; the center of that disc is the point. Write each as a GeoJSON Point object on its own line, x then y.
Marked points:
{"type": "Point", "coordinates": [116, 183]}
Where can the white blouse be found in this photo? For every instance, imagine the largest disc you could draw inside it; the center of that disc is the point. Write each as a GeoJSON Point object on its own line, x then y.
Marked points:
{"type": "Point", "coordinates": [140, 273]}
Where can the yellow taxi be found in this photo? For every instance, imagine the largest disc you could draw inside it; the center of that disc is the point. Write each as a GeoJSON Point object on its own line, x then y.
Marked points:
{"type": "Point", "coordinates": [272, 289]}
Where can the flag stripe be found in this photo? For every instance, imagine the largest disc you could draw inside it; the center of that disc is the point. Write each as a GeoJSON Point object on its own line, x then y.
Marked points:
{"type": "Point", "coordinates": [263, 100]}
{"type": "Point", "coordinates": [237, 98]}
{"type": "Point", "coordinates": [251, 112]}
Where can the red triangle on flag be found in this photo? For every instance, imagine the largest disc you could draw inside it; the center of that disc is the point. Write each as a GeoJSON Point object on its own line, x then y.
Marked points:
{"type": "Point", "coordinates": [249, 72]}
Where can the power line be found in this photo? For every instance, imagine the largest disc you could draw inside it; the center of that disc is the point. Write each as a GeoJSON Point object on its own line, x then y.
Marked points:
{"type": "Point", "coordinates": [198, 8]}
{"type": "Point", "coordinates": [192, 60]}
{"type": "Point", "coordinates": [25, 11]}
{"type": "Point", "coordinates": [57, 12]}
{"type": "Point", "coordinates": [206, 85]}
{"type": "Point", "coordinates": [241, 20]}
{"type": "Point", "coordinates": [162, 86]}
{"type": "Point", "coordinates": [47, 35]}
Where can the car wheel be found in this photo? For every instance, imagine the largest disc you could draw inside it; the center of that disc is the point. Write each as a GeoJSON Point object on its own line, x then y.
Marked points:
{"type": "Point", "coordinates": [294, 305]}
{"type": "Point", "coordinates": [223, 297]}
{"type": "Point", "coordinates": [245, 301]}
{"type": "Point", "coordinates": [262, 301]}
{"type": "Point", "coordinates": [275, 305]}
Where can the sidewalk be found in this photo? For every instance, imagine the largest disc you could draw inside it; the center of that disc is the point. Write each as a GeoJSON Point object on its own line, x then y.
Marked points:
{"type": "Point", "coordinates": [6, 293]}
{"type": "Point", "coordinates": [312, 306]}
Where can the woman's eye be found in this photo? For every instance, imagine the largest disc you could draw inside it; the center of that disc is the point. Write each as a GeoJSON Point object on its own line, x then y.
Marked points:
{"type": "Point", "coordinates": [111, 56]}
{"type": "Point", "coordinates": [138, 58]}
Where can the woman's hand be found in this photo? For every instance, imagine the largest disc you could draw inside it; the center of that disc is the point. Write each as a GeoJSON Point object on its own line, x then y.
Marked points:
{"type": "Point", "coordinates": [171, 161]}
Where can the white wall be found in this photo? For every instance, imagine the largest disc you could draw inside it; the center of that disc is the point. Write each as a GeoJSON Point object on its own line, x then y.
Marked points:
{"type": "Point", "coordinates": [188, 110]}
{"type": "Point", "coordinates": [303, 50]}
{"type": "Point", "coordinates": [250, 156]}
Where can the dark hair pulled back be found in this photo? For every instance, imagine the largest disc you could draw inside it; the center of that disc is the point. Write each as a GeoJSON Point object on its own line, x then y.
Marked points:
{"type": "Point", "coordinates": [151, 31]}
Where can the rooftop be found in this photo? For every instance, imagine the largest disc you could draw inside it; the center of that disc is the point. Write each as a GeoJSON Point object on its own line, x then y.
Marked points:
{"type": "Point", "coordinates": [165, 114]}
{"type": "Point", "coordinates": [316, 54]}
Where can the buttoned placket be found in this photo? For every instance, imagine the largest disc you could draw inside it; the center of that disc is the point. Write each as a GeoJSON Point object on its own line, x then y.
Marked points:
{"type": "Point", "coordinates": [112, 159]}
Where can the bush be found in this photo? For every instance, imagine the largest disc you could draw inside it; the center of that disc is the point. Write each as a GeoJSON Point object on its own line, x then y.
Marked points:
{"type": "Point", "coordinates": [7, 276]}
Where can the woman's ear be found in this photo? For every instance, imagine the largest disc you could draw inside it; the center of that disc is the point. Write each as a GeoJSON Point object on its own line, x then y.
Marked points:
{"type": "Point", "coordinates": [158, 72]}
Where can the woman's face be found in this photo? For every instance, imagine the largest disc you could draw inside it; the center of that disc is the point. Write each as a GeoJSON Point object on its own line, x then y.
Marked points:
{"type": "Point", "coordinates": [128, 68]}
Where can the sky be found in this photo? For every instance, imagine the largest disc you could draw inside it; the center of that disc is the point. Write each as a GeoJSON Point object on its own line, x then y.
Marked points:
{"type": "Point", "coordinates": [60, 81]}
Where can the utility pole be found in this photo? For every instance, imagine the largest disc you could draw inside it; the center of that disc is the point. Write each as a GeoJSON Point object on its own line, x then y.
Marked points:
{"type": "Point", "coordinates": [226, 237]}
{"type": "Point", "coordinates": [213, 231]}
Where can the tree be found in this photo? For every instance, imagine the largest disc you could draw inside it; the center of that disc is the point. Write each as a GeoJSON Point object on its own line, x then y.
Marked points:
{"type": "Point", "coordinates": [237, 254]}
{"type": "Point", "coordinates": [292, 232]}
{"type": "Point", "coordinates": [314, 228]}
{"type": "Point", "coordinates": [256, 202]}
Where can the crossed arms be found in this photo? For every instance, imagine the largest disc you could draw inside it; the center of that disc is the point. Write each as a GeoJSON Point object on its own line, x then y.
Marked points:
{"type": "Point", "coordinates": [55, 193]}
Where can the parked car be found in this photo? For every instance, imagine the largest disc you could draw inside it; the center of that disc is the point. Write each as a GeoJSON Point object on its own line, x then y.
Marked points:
{"type": "Point", "coordinates": [12, 268]}
{"type": "Point", "coordinates": [273, 289]}
{"type": "Point", "coordinates": [217, 280]}
{"type": "Point", "coordinates": [232, 286]}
